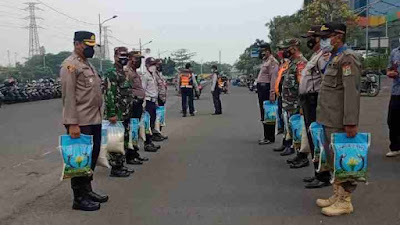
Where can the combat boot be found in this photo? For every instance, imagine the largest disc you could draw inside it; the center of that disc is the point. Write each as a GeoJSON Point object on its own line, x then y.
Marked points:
{"type": "Point", "coordinates": [119, 172]}
{"type": "Point", "coordinates": [82, 202]}
{"type": "Point", "coordinates": [150, 148]}
{"type": "Point", "coordinates": [95, 197]}
{"type": "Point", "coordinates": [341, 206]}
{"type": "Point", "coordinates": [289, 150]}
{"type": "Point", "coordinates": [131, 159]}
{"type": "Point", "coordinates": [331, 200]}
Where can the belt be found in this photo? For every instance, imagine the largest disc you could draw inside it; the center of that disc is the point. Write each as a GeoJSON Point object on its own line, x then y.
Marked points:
{"type": "Point", "coordinates": [138, 97]}
{"type": "Point", "coordinates": [151, 99]}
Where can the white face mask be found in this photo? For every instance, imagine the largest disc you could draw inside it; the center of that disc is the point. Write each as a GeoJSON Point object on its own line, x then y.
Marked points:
{"type": "Point", "coordinates": [152, 69]}
{"type": "Point", "coordinates": [326, 45]}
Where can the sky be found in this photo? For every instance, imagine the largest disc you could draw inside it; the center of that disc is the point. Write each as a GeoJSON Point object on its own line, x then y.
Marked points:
{"type": "Point", "coordinates": [202, 26]}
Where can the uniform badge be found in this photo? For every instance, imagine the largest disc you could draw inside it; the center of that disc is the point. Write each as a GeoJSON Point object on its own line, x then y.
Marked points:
{"type": "Point", "coordinates": [71, 68]}
{"type": "Point", "coordinates": [346, 68]}
{"type": "Point", "coordinates": [91, 80]}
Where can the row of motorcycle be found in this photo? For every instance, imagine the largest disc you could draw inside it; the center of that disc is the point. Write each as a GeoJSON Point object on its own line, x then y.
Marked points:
{"type": "Point", "coordinates": [13, 92]}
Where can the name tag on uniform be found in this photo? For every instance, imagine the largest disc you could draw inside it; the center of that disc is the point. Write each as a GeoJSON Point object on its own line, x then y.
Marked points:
{"type": "Point", "coordinates": [346, 68]}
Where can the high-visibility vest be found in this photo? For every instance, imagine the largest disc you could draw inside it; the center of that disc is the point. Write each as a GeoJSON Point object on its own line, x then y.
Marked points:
{"type": "Point", "coordinates": [220, 82]}
{"type": "Point", "coordinates": [186, 80]}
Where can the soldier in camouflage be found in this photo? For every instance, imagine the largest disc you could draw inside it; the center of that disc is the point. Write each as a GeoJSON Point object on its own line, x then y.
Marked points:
{"type": "Point", "coordinates": [119, 100]}
{"type": "Point", "coordinates": [290, 89]}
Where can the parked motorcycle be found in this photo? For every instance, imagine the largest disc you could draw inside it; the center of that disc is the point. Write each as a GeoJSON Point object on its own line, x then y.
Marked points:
{"type": "Point", "coordinates": [369, 85]}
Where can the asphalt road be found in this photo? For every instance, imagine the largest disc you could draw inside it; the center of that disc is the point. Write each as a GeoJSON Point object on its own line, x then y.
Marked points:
{"type": "Point", "coordinates": [210, 171]}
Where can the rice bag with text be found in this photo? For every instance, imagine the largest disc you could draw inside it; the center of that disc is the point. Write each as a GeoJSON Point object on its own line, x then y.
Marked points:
{"type": "Point", "coordinates": [270, 112]}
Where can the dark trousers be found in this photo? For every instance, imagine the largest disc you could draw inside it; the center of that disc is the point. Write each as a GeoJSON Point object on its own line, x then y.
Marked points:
{"type": "Point", "coordinates": [95, 130]}
{"type": "Point", "coordinates": [187, 93]}
{"type": "Point", "coordinates": [217, 100]}
{"type": "Point", "coordinates": [151, 108]}
{"type": "Point", "coordinates": [394, 122]}
{"type": "Point", "coordinates": [309, 104]}
{"type": "Point", "coordinates": [280, 112]}
{"type": "Point", "coordinates": [263, 90]}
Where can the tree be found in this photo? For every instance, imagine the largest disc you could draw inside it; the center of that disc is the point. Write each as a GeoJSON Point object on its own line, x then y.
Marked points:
{"type": "Point", "coordinates": [182, 56]}
{"type": "Point", "coordinates": [168, 66]}
{"type": "Point", "coordinates": [246, 64]}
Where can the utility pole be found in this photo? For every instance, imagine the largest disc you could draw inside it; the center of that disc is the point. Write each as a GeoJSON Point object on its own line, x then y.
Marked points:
{"type": "Point", "coordinates": [9, 59]}
{"type": "Point", "coordinates": [219, 57]}
{"type": "Point", "coordinates": [367, 31]}
{"type": "Point", "coordinates": [34, 46]}
{"type": "Point", "coordinates": [101, 47]}
{"type": "Point", "coordinates": [106, 44]}
{"type": "Point", "coordinates": [15, 59]}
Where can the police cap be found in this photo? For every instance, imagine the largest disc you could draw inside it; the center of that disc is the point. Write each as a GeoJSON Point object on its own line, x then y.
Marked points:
{"type": "Point", "coordinates": [330, 28]}
{"type": "Point", "coordinates": [88, 38]}
{"type": "Point", "coordinates": [313, 31]}
{"type": "Point", "coordinates": [135, 54]}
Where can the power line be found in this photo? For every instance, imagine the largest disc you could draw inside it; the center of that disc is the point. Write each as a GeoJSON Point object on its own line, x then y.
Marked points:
{"type": "Point", "coordinates": [70, 17]}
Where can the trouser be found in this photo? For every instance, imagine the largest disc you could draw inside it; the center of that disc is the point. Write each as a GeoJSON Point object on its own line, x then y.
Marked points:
{"type": "Point", "coordinates": [348, 186]}
{"type": "Point", "coordinates": [309, 104]}
{"type": "Point", "coordinates": [187, 93]}
{"type": "Point", "coordinates": [160, 103]}
{"type": "Point", "coordinates": [263, 90]}
{"type": "Point", "coordinates": [80, 183]}
{"type": "Point", "coordinates": [151, 108]}
{"type": "Point", "coordinates": [394, 122]}
{"type": "Point", "coordinates": [280, 112]}
{"type": "Point", "coordinates": [217, 101]}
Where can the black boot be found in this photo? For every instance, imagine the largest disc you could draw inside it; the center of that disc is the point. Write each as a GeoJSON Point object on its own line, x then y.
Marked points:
{"type": "Point", "coordinates": [299, 157]}
{"type": "Point", "coordinates": [131, 159]}
{"type": "Point", "coordinates": [95, 196]}
{"type": "Point", "coordinates": [317, 184]}
{"type": "Point", "coordinates": [288, 151]}
{"type": "Point", "coordinates": [119, 172]}
{"type": "Point", "coordinates": [283, 147]}
{"type": "Point", "coordinates": [300, 164]}
{"type": "Point", "coordinates": [82, 202]}
{"type": "Point", "coordinates": [157, 137]}
{"type": "Point", "coordinates": [150, 148]}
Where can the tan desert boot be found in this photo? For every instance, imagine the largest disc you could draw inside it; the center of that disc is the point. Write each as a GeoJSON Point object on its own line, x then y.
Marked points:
{"type": "Point", "coordinates": [328, 202]}
{"type": "Point", "coordinates": [341, 206]}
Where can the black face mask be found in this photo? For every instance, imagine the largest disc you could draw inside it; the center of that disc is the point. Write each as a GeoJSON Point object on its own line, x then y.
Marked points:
{"type": "Point", "coordinates": [286, 54]}
{"type": "Point", "coordinates": [311, 43]}
{"type": "Point", "coordinates": [138, 63]}
{"type": "Point", "coordinates": [123, 61]}
{"type": "Point", "coordinates": [88, 52]}
{"type": "Point", "coordinates": [159, 68]}
{"type": "Point", "coordinates": [261, 55]}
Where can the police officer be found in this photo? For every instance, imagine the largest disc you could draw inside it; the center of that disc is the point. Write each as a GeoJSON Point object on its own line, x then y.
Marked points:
{"type": "Point", "coordinates": [216, 88]}
{"type": "Point", "coordinates": [187, 83]}
{"type": "Point", "coordinates": [162, 98]}
{"type": "Point", "coordinates": [135, 62]}
{"type": "Point", "coordinates": [119, 101]}
{"type": "Point", "coordinates": [290, 90]}
{"type": "Point", "coordinates": [266, 89]}
{"type": "Point", "coordinates": [338, 107]}
{"type": "Point", "coordinates": [393, 71]}
{"type": "Point", "coordinates": [150, 86]}
{"type": "Point", "coordinates": [309, 87]}
{"type": "Point", "coordinates": [82, 102]}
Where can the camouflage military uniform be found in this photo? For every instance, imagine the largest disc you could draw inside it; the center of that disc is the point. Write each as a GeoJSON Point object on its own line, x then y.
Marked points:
{"type": "Point", "coordinates": [119, 100]}
{"type": "Point", "coordinates": [290, 91]}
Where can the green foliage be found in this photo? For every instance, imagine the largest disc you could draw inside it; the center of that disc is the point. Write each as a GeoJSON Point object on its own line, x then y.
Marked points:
{"type": "Point", "coordinates": [168, 66]}
{"type": "Point", "coordinates": [182, 56]}
{"type": "Point", "coordinates": [376, 62]}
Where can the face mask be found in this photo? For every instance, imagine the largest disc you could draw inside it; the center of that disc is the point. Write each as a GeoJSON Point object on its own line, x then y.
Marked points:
{"type": "Point", "coordinates": [152, 69]}
{"type": "Point", "coordinates": [311, 43]}
{"type": "Point", "coordinates": [123, 61]}
{"type": "Point", "coordinates": [138, 64]}
{"type": "Point", "coordinates": [88, 52]}
{"type": "Point", "coordinates": [326, 45]}
{"type": "Point", "coordinates": [286, 54]}
{"type": "Point", "coordinates": [159, 68]}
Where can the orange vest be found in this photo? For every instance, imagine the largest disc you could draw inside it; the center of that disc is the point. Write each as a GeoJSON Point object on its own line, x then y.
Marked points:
{"type": "Point", "coordinates": [282, 69]}
{"type": "Point", "coordinates": [186, 80]}
{"type": "Point", "coordinates": [220, 82]}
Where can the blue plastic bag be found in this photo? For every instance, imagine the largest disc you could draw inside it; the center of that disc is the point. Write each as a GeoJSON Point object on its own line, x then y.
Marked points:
{"type": "Point", "coordinates": [351, 157]}
{"type": "Point", "coordinates": [77, 155]}
{"type": "Point", "coordinates": [144, 125]}
{"type": "Point", "coordinates": [160, 118]}
{"type": "Point", "coordinates": [318, 137]}
{"type": "Point", "coordinates": [296, 124]}
{"type": "Point", "coordinates": [134, 132]}
{"type": "Point", "coordinates": [270, 112]}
